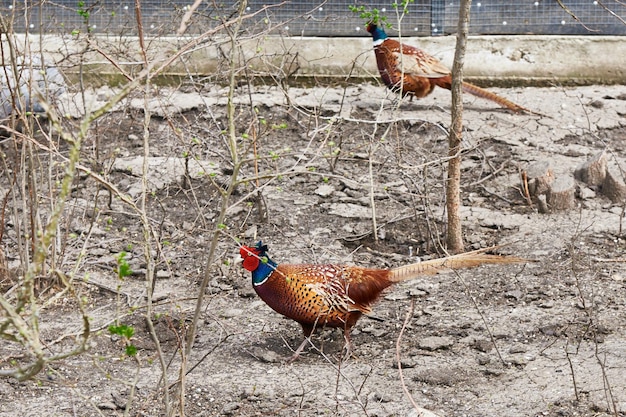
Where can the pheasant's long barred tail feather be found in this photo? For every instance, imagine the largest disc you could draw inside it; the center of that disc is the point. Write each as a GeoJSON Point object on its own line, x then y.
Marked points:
{"type": "Point", "coordinates": [463, 260]}
{"type": "Point", "coordinates": [486, 94]}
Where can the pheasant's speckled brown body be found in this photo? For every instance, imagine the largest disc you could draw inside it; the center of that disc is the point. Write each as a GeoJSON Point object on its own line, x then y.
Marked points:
{"type": "Point", "coordinates": [411, 71]}
{"type": "Point", "coordinates": [337, 295]}
{"type": "Point", "coordinates": [323, 295]}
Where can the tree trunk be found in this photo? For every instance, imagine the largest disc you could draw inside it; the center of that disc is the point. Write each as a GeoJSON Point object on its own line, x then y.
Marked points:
{"type": "Point", "coordinates": [453, 187]}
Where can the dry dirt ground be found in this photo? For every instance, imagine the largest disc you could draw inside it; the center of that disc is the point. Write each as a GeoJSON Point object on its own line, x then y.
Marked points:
{"type": "Point", "coordinates": [547, 338]}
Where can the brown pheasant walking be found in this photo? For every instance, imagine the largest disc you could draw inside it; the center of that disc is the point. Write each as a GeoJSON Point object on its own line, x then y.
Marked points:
{"type": "Point", "coordinates": [413, 72]}
{"type": "Point", "coordinates": [338, 295]}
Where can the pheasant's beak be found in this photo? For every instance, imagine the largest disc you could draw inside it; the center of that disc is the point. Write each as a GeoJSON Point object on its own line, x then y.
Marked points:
{"type": "Point", "coordinates": [238, 260]}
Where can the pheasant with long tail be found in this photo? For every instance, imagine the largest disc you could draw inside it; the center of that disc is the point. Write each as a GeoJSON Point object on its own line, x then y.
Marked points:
{"type": "Point", "coordinates": [338, 295]}
{"type": "Point", "coordinates": [415, 73]}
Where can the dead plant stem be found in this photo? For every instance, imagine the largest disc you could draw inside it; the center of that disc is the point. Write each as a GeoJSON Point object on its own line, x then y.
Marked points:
{"type": "Point", "coordinates": [407, 318]}
{"type": "Point", "coordinates": [453, 185]}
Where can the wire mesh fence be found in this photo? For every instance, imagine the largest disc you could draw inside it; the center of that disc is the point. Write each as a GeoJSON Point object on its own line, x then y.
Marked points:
{"type": "Point", "coordinates": [316, 18]}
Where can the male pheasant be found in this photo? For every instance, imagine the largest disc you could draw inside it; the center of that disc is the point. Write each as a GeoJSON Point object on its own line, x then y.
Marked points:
{"type": "Point", "coordinates": [338, 295]}
{"type": "Point", "coordinates": [413, 72]}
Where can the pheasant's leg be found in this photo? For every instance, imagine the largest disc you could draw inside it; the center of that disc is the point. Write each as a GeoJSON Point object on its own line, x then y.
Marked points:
{"type": "Point", "coordinates": [298, 351]}
{"type": "Point", "coordinates": [348, 338]}
{"type": "Point", "coordinates": [307, 329]}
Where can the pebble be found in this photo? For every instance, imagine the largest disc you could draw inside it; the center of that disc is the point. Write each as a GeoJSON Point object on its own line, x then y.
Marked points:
{"type": "Point", "coordinates": [163, 274]}
{"type": "Point", "coordinates": [515, 294]}
{"type": "Point", "coordinates": [375, 331]}
{"type": "Point", "coordinates": [482, 345]}
{"type": "Point", "coordinates": [586, 193]}
{"type": "Point", "coordinates": [267, 356]}
{"type": "Point", "coordinates": [518, 361]}
{"type": "Point", "coordinates": [325, 190]}
{"type": "Point", "coordinates": [350, 210]}
{"type": "Point", "coordinates": [380, 397]}
{"type": "Point", "coordinates": [107, 405]}
{"type": "Point", "coordinates": [483, 359]}
{"type": "Point", "coordinates": [435, 343]}
{"type": "Point", "coordinates": [230, 408]}
{"type": "Point", "coordinates": [518, 349]}
{"type": "Point", "coordinates": [408, 362]}
{"type": "Point", "coordinates": [120, 398]}
{"type": "Point", "coordinates": [231, 312]}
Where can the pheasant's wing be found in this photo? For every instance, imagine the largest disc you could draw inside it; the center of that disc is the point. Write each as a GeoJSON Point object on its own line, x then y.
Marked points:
{"type": "Point", "coordinates": [352, 288]}
{"type": "Point", "coordinates": [414, 61]}
{"type": "Point", "coordinates": [334, 291]}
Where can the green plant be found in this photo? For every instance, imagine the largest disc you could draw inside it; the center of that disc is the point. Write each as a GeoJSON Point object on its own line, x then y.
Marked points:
{"type": "Point", "coordinates": [370, 15]}
{"type": "Point", "coordinates": [123, 268]}
{"type": "Point", "coordinates": [126, 333]}
{"type": "Point", "coordinates": [82, 11]}
{"type": "Point", "coordinates": [374, 15]}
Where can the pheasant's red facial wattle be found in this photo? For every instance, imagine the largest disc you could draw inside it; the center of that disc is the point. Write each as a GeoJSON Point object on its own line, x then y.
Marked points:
{"type": "Point", "coordinates": [250, 258]}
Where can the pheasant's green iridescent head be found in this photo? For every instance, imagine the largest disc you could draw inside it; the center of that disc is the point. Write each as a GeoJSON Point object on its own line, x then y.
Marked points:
{"type": "Point", "coordinates": [378, 33]}
{"type": "Point", "coordinates": [255, 260]}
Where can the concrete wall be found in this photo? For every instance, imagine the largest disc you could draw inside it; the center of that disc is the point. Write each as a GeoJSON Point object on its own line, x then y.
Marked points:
{"type": "Point", "coordinates": [491, 60]}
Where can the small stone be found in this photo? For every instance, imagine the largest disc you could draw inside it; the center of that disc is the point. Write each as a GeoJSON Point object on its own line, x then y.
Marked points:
{"type": "Point", "coordinates": [137, 270]}
{"type": "Point", "coordinates": [483, 359]}
{"type": "Point", "coordinates": [231, 312]}
{"type": "Point", "coordinates": [493, 371]}
{"type": "Point", "coordinates": [518, 361]}
{"type": "Point", "coordinates": [518, 349]}
{"type": "Point", "coordinates": [408, 362]}
{"type": "Point", "coordinates": [380, 397]}
{"type": "Point", "coordinates": [482, 345]}
{"type": "Point", "coordinates": [515, 294]}
{"type": "Point", "coordinates": [107, 405]}
{"type": "Point", "coordinates": [230, 408]}
{"type": "Point", "coordinates": [597, 104]}
{"type": "Point", "coordinates": [163, 274]}
{"type": "Point", "coordinates": [417, 292]}
{"type": "Point", "coordinates": [120, 399]}
{"type": "Point", "coordinates": [379, 332]}
{"type": "Point", "coordinates": [160, 296]}
{"type": "Point", "coordinates": [435, 343]}
{"type": "Point", "coordinates": [267, 356]}
{"type": "Point", "coordinates": [349, 210]}
{"type": "Point", "coordinates": [586, 193]}
{"type": "Point", "coordinates": [325, 190]}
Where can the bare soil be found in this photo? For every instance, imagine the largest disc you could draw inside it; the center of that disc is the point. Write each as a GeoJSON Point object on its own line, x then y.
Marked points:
{"type": "Point", "coordinates": [547, 338]}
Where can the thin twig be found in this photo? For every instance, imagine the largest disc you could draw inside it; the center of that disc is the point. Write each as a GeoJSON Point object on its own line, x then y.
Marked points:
{"type": "Point", "coordinates": [407, 318]}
